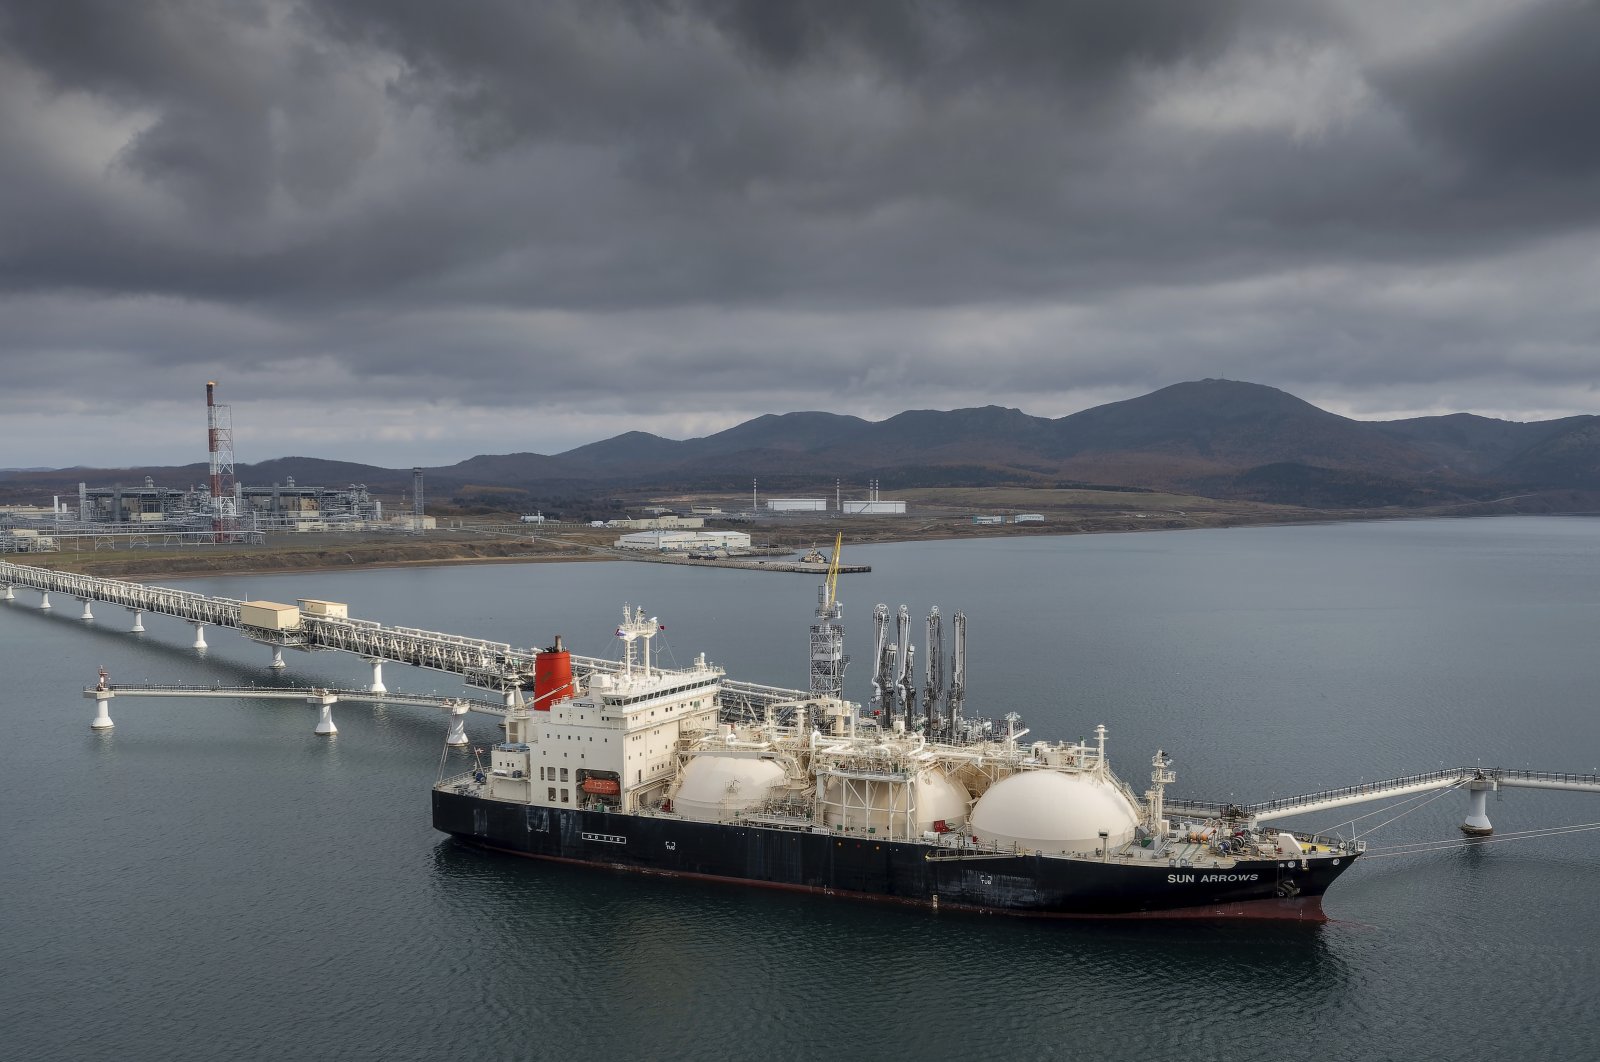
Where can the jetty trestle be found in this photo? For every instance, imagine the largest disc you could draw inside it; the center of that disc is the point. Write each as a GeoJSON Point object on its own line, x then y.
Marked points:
{"type": "Point", "coordinates": [322, 698]}
{"type": "Point", "coordinates": [1477, 781]}
{"type": "Point", "coordinates": [482, 664]}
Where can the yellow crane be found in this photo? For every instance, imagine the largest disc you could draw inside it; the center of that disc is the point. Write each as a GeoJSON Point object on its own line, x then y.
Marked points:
{"type": "Point", "coordinates": [833, 572]}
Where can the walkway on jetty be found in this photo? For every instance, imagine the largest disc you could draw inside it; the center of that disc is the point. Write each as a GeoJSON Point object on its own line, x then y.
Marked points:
{"type": "Point", "coordinates": [1477, 780]}
{"type": "Point", "coordinates": [488, 665]}
{"type": "Point", "coordinates": [318, 696]}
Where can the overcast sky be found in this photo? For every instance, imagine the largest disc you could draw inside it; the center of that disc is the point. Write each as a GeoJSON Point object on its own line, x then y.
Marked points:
{"type": "Point", "coordinates": [405, 232]}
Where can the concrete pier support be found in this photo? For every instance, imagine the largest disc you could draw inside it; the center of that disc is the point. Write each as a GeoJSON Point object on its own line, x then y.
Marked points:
{"type": "Point", "coordinates": [138, 622]}
{"type": "Point", "coordinates": [277, 658]}
{"type": "Point", "coordinates": [1477, 823]}
{"type": "Point", "coordinates": [377, 674]}
{"type": "Point", "coordinates": [102, 710]}
{"type": "Point", "coordinates": [325, 725]}
{"type": "Point", "coordinates": [199, 635]}
{"type": "Point", "coordinates": [44, 599]}
{"type": "Point", "coordinates": [458, 726]}
{"type": "Point", "coordinates": [8, 596]}
{"type": "Point", "coordinates": [88, 613]}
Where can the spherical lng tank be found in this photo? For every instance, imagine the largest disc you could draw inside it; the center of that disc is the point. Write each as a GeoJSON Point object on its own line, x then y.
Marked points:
{"type": "Point", "coordinates": [1054, 812]}
{"type": "Point", "coordinates": [716, 786]}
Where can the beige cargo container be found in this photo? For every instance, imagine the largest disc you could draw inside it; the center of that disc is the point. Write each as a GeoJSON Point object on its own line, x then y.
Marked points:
{"type": "Point", "coordinates": [327, 609]}
{"type": "Point", "coordinates": [269, 615]}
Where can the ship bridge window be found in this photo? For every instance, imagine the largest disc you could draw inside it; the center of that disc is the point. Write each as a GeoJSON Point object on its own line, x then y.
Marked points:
{"type": "Point", "coordinates": [552, 794]}
{"type": "Point", "coordinates": [563, 774]}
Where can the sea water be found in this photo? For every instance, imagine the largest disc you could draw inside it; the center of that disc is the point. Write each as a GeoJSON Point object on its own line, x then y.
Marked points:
{"type": "Point", "coordinates": [211, 880]}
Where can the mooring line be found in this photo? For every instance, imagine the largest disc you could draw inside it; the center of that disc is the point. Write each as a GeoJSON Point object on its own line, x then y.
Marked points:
{"type": "Point", "coordinates": [1446, 844]}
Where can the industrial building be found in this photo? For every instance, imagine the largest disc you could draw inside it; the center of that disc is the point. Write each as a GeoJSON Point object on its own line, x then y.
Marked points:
{"type": "Point", "coordinates": [685, 541]}
{"type": "Point", "coordinates": [285, 506]}
{"type": "Point", "coordinates": [660, 523]}
{"type": "Point", "coordinates": [872, 505]}
{"type": "Point", "coordinates": [797, 505]}
{"type": "Point", "coordinates": [874, 508]}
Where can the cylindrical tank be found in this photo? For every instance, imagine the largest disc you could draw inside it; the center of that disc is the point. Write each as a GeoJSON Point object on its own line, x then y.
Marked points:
{"type": "Point", "coordinates": [552, 676]}
{"type": "Point", "coordinates": [1054, 812]}
{"type": "Point", "coordinates": [719, 785]}
{"type": "Point", "coordinates": [882, 806]}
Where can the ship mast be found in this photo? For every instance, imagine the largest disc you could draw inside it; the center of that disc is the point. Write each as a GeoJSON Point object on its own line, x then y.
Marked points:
{"type": "Point", "coordinates": [1160, 778]}
{"type": "Point", "coordinates": [634, 625]}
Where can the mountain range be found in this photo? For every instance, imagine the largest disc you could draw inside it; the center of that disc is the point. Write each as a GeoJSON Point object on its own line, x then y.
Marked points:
{"type": "Point", "coordinates": [1219, 438]}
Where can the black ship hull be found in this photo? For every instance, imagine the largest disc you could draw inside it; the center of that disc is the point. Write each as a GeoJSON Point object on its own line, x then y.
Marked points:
{"type": "Point", "coordinates": [896, 871]}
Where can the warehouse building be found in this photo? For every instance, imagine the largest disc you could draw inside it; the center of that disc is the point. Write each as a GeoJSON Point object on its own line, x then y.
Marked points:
{"type": "Point", "coordinates": [685, 541]}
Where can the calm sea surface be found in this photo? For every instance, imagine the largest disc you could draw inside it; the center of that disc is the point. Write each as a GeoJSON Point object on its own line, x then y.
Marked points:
{"type": "Point", "coordinates": [212, 881]}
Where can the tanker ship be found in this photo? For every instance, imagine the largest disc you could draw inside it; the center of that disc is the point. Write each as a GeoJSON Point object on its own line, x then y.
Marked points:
{"type": "Point", "coordinates": [646, 769]}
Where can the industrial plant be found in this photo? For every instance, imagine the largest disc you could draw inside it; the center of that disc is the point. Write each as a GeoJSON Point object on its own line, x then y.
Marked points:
{"type": "Point", "coordinates": [871, 505]}
{"type": "Point", "coordinates": [222, 510]}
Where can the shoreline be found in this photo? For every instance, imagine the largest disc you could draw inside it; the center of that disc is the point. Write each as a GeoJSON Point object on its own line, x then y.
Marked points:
{"type": "Point", "coordinates": [198, 563]}
{"type": "Point", "coordinates": [331, 552]}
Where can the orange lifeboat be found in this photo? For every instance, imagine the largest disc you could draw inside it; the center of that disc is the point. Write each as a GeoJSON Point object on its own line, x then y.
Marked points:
{"type": "Point", "coordinates": [601, 786]}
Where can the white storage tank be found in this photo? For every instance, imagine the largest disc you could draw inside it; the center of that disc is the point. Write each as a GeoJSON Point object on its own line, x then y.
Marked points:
{"type": "Point", "coordinates": [719, 785]}
{"type": "Point", "coordinates": [1054, 812]}
{"type": "Point", "coordinates": [883, 806]}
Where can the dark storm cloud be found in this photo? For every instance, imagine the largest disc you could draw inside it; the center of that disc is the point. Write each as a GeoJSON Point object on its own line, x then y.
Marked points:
{"type": "Point", "coordinates": [1517, 97]}
{"type": "Point", "coordinates": [667, 207]}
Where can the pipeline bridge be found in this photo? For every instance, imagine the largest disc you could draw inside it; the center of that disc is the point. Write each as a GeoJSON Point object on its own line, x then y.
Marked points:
{"type": "Point", "coordinates": [1478, 782]}
{"type": "Point", "coordinates": [487, 665]}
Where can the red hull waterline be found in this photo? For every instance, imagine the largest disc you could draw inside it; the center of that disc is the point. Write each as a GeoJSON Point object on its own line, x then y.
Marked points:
{"type": "Point", "coordinates": [1281, 909]}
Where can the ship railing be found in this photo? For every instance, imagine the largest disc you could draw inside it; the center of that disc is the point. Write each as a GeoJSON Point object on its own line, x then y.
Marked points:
{"type": "Point", "coordinates": [466, 784]}
{"type": "Point", "coordinates": [865, 774]}
{"type": "Point", "coordinates": [1498, 774]}
{"type": "Point", "coordinates": [793, 824]}
{"type": "Point", "coordinates": [969, 850]}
